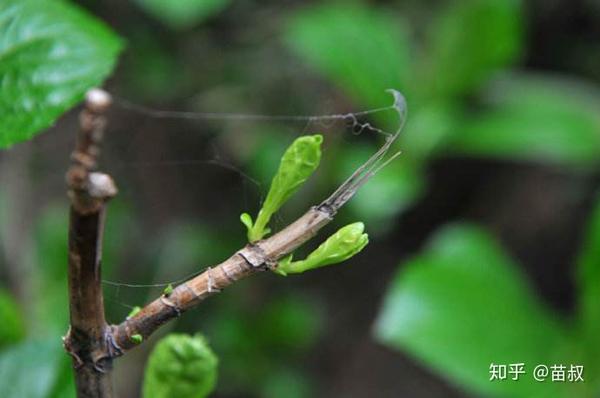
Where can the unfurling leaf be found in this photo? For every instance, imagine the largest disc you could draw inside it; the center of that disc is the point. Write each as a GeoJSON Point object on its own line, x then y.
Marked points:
{"type": "Point", "coordinates": [297, 164]}
{"type": "Point", "coordinates": [137, 338]}
{"type": "Point", "coordinates": [134, 311]}
{"type": "Point", "coordinates": [180, 366]}
{"type": "Point", "coordinates": [168, 290]}
{"type": "Point", "coordinates": [342, 245]}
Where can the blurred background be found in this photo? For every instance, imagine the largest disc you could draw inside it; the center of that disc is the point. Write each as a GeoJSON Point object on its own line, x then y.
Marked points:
{"type": "Point", "coordinates": [484, 232]}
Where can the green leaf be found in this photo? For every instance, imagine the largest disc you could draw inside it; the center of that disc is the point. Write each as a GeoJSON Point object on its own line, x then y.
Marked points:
{"type": "Point", "coordinates": [168, 290]}
{"type": "Point", "coordinates": [182, 14]}
{"type": "Point", "coordinates": [180, 366]}
{"type": "Point", "coordinates": [12, 328]}
{"type": "Point", "coordinates": [299, 161]}
{"type": "Point", "coordinates": [362, 49]}
{"type": "Point", "coordinates": [461, 305]}
{"type": "Point", "coordinates": [588, 278]}
{"type": "Point", "coordinates": [342, 245]}
{"type": "Point", "coordinates": [32, 369]}
{"type": "Point", "coordinates": [246, 219]}
{"type": "Point", "coordinates": [137, 338]}
{"type": "Point", "coordinates": [51, 53]}
{"type": "Point", "coordinates": [469, 41]}
{"type": "Point", "coordinates": [536, 118]}
{"type": "Point", "coordinates": [134, 311]}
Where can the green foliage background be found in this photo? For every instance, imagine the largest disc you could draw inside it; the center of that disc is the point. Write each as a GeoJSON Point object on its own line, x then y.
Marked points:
{"type": "Point", "coordinates": [484, 233]}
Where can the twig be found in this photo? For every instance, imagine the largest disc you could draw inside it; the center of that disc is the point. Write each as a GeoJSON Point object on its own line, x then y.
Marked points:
{"type": "Point", "coordinates": [251, 259]}
{"type": "Point", "coordinates": [88, 339]}
{"type": "Point", "coordinates": [255, 257]}
{"type": "Point", "coordinates": [92, 343]}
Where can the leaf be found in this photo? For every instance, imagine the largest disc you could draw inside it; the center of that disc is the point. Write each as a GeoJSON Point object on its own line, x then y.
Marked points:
{"type": "Point", "coordinates": [468, 42]}
{"type": "Point", "coordinates": [182, 14]}
{"type": "Point", "coordinates": [51, 52]}
{"type": "Point", "coordinates": [12, 328]}
{"type": "Point", "coordinates": [32, 369]}
{"type": "Point", "coordinates": [362, 49]}
{"type": "Point", "coordinates": [298, 163]}
{"type": "Point", "coordinates": [461, 305]}
{"type": "Point", "coordinates": [535, 118]}
{"type": "Point", "coordinates": [180, 366]}
{"type": "Point", "coordinates": [341, 246]}
{"type": "Point", "coordinates": [588, 278]}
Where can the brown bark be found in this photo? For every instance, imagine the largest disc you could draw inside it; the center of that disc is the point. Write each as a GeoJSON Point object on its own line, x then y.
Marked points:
{"type": "Point", "coordinates": [91, 342]}
{"type": "Point", "coordinates": [253, 258]}
{"type": "Point", "coordinates": [88, 340]}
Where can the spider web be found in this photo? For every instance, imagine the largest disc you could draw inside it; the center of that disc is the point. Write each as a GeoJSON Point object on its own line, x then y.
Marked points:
{"type": "Point", "coordinates": [354, 122]}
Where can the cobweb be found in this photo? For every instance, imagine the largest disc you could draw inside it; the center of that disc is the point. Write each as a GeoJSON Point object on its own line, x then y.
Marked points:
{"type": "Point", "coordinates": [356, 123]}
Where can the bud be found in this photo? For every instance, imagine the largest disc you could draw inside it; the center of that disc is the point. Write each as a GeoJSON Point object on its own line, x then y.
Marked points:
{"type": "Point", "coordinates": [342, 245]}
{"type": "Point", "coordinates": [298, 162]}
{"type": "Point", "coordinates": [134, 311]}
{"type": "Point", "coordinates": [180, 366]}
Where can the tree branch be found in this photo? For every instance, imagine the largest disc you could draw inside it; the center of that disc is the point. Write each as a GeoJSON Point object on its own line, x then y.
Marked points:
{"type": "Point", "coordinates": [88, 338]}
{"type": "Point", "coordinates": [262, 255]}
{"type": "Point", "coordinates": [258, 256]}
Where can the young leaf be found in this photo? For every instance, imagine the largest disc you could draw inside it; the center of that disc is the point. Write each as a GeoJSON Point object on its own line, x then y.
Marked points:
{"type": "Point", "coordinates": [297, 164]}
{"type": "Point", "coordinates": [137, 338]}
{"type": "Point", "coordinates": [168, 290]}
{"type": "Point", "coordinates": [180, 366]}
{"type": "Point", "coordinates": [342, 245]}
{"type": "Point", "coordinates": [134, 311]}
{"type": "Point", "coordinates": [52, 53]}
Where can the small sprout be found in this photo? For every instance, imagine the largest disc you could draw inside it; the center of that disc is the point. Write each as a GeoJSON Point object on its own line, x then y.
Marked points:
{"type": "Point", "coordinates": [136, 338]}
{"type": "Point", "coordinates": [342, 245]}
{"type": "Point", "coordinates": [297, 164]}
{"type": "Point", "coordinates": [168, 290]}
{"type": "Point", "coordinates": [134, 311]}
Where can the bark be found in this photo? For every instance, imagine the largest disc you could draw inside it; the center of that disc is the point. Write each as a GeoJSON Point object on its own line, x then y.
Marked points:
{"type": "Point", "coordinates": [91, 342]}
{"type": "Point", "coordinates": [88, 340]}
{"type": "Point", "coordinates": [253, 258]}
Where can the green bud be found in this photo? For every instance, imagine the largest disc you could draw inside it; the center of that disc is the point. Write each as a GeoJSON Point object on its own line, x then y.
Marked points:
{"type": "Point", "coordinates": [136, 338]}
{"type": "Point", "coordinates": [297, 164]}
{"type": "Point", "coordinates": [342, 245]}
{"type": "Point", "coordinates": [180, 366]}
{"type": "Point", "coordinates": [168, 290]}
{"type": "Point", "coordinates": [134, 311]}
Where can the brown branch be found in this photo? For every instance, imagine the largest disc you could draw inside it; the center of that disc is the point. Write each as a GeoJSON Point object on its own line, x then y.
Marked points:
{"type": "Point", "coordinates": [91, 342]}
{"type": "Point", "coordinates": [88, 338]}
{"type": "Point", "coordinates": [256, 257]}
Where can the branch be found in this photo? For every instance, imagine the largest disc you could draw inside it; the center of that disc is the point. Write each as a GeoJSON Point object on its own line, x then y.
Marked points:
{"type": "Point", "coordinates": [88, 338]}
{"type": "Point", "coordinates": [254, 257]}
